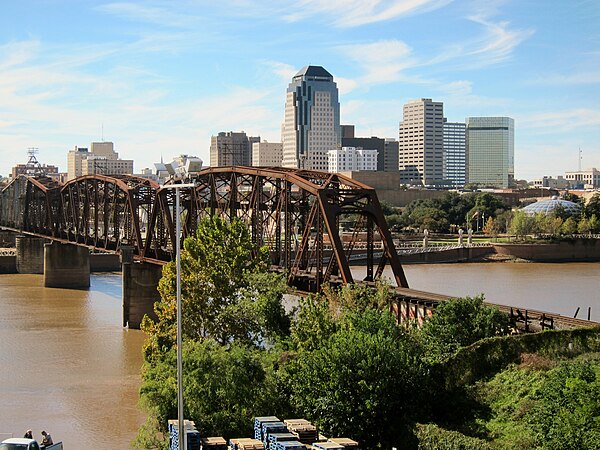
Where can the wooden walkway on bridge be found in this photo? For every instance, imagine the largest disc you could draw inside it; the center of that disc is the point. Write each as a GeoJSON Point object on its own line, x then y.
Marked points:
{"type": "Point", "coordinates": [525, 318]}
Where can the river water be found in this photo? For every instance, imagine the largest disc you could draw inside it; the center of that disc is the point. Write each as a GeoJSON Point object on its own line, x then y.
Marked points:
{"type": "Point", "coordinates": [66, 364]}
{"type": "Point", "coordinates": [559, 288]}
{"type": "Point", "coordinates": [68, 367]}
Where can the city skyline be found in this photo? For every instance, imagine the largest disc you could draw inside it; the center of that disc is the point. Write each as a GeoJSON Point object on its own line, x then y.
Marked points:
{"type": "Point", "coordinates": [158, 78]}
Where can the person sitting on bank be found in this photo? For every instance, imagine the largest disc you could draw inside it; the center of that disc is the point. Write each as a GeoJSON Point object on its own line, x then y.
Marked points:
{"type": "Point", "coordinates": [28, 434]}
{"type": "Point", "coordinates": [46, 440]}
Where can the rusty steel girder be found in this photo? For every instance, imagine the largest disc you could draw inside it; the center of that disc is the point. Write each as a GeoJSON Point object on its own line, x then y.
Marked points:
{"type": "Point", "coordinates": [297, 214]}
{"type": "Point", "coordinates": [30, 204]}
{"type": "Point", "coordinates": [107, 212]}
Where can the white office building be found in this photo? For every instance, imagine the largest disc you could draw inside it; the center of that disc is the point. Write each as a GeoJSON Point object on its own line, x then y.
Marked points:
{"type": "Point", "coordinates": [101, 159]}
{"type": "Point", "coordinates": [421, 145]}
{"type": "Point", "coordinates": [352, 159]}
{"type": "Point", "coordinates": [267, 154]}
{"type": "Point", "coordinates": [584, 179]}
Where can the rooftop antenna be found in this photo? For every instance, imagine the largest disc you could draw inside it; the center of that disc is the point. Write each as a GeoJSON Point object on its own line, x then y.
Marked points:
{"type": "Point", "coordinates": [580, 159]}
{"type": "Point", "coordinates": [102, 131]}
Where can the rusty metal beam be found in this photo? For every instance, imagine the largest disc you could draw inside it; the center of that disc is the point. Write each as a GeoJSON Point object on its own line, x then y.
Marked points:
{"type": "Point", "coordinates": [286, 209]}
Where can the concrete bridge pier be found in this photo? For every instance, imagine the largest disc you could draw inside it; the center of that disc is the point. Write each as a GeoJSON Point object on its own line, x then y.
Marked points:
{"type": "Point", "coordinates": [140, 283]}
{"type": "Point", "coordinates": [66, 266]}
{"type": "Point", "coordinates": [30, 254]}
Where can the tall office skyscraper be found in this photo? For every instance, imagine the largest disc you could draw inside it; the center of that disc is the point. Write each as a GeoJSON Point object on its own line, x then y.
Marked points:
{"type": "Point", "coordinates": [231, 149]}
{"type": "Point", "coordinates": [455, 153]}
{"type": "Point", "coordinates": [491, 151]}
{"type": "Point", "coordinates": [421, 158]}
{"type": "Point", "coordinates": [267, 154]}
{"type": "Point", "coordinates": [311, 125]}
{"type": "Point", "coordinates": [100, 160]}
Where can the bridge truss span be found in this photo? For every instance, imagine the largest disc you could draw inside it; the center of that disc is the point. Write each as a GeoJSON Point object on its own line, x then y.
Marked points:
{"type": "Point", "coordinates": [299, 215]}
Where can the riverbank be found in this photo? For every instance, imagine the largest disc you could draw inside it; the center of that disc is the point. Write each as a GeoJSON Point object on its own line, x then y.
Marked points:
{"type": "Point", "coordinates": [576, 250]}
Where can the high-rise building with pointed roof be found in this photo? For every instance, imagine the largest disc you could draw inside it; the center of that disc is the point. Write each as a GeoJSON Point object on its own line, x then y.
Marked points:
{"type": "Point", "coordinates": [311, 125]}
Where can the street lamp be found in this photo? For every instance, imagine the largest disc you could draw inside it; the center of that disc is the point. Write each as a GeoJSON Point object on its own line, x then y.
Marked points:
{"type": "Point", "coordinates": [180, 419]}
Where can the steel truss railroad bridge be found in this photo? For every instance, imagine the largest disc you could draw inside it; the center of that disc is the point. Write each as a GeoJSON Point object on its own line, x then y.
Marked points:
{"type": "Point", "coordinates": [295, 213]}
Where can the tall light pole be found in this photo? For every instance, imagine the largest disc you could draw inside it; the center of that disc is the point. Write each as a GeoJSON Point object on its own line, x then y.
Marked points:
{"type": "Point", "coordinates": [181, 428]}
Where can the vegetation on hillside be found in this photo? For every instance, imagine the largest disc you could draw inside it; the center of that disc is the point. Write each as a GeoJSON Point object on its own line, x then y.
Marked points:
{"type": "Point", "coordinates": [341, 360]}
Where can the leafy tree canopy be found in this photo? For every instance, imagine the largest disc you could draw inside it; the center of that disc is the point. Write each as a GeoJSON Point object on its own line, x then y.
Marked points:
{"type": "Point", "coordinates": [461, 322]}
{"type": "Point", "coordinates": [522, 224]}
{"type": "Point", "coordinates": [362, 381]}
{"type": "Point", "coordinates": [224, 387]}
{"type": "Point", "coordinates": [226, 291]}
{"type": "Point", "coordinates": [593, 206]}
{"type": "Point", "coordinates": [487, 205]}
{"type": "Point", "coordinates": [573, 198]}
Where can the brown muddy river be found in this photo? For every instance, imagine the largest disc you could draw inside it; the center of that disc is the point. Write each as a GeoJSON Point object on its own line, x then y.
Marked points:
{"type": "Point", "coordinates": [66, 364]}
{"type": "Point", "coordinates": [553, 287]}
{"type": "Point", "coordinates": [68, 367]}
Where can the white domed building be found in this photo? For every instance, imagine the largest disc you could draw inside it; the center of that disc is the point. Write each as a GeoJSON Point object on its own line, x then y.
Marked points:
{"type": "Point", "coordinates": [549, 205]}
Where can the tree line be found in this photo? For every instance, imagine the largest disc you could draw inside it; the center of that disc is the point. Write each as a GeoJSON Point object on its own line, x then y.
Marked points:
{"type": "Point", "coordinates": [491, 214]}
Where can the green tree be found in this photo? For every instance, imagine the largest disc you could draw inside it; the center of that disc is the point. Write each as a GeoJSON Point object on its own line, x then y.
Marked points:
{"type": "Point", "coordinates": [231, 307]}
{"type": "Point", "coordinates": [314, 323]}
{"type": "Point", "coordinates": [461, 322]}
{"type": "Point", "coordinates": [593, 206]}
{"type": "Point", "coordinates": [318, 316]}
{"type": "Point", "coordinates": [394, 221]}
{"type": "Point", "coordinates": [226, 292]}
{"type": "Point", "coordinates": [522, 224]}
{"type": "Point", "coordinates": [224, 388]}
{"type": "Point", "coordinates": [364, 381]}
{"type": "Point", "coordinates": [429, 218]}
{"type": "Point", "coordinates": [548, 223]}
{"type": "Point", "coordinates": [573, 198]}
{"type": "Point", "coordinates": [569, 226]}
{"type": "Point", "coordinates": [583, 227]}
{"type": "Point", "coordinates": [487, 205]}
{"type": "Point", "coordinates": [502, 221]}
{"type": "Point", "coordinates": [456, 206]}
{"type": "Point", "coordinates": [567, 412]}
{"type": "Point", "coordinates": [594, 224]}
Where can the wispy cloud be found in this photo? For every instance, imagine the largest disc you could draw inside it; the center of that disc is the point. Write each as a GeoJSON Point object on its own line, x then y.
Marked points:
{"type": "Point", "coordinates": [388, 61]}
{"type": "Point", "coordinates": [561, 121]}
{"type": "Point", "coordinates": [53, 99]}
{"type": "Point", "coordinates": [458, 88]}
{"type": "Point", "coordinates": [499, 41]}
{"type": "Point", "coordinates": [382, 62]}
{"type": "Point", "coordinates": [570, 79]}
{"type": "Point", "coordinates": [352, 13]}
{"type": "Point", "coordinates": [16, 53]}
{"type": "Point", "coordinates": [284, 71]}
{"type": "Point", "coordinates": [156, 15]}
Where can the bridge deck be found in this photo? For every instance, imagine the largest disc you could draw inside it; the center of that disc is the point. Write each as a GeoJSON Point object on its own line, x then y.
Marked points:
{"type": "Point", "coordinates": [533, 316]}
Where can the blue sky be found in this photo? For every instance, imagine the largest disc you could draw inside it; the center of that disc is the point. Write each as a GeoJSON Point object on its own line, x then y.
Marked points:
{"type": "Point", "coordinates": [161, 77]}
